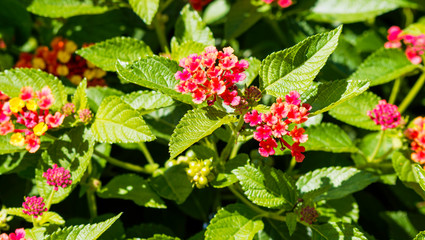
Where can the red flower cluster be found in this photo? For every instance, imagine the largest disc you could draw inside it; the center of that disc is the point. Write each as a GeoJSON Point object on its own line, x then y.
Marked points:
{"type": "Point", "coordinates": [57, 177]}
{"type": "Point", "coordinates": [281, 3]}
{"type": "Point", "coordinates": [271, 126]}
{"type": "Point", "coordinates": [31, 110]}
{"type": "Point", "coordinates": [19, 234]}
{"type": "Point", "coordinates": [206, 79]}
{"type": "Point", "coordinates": [415, 45]}
{"type": "Point", "coordinates": [386, 115]}
{"type": "Point", "coordinates": [417, 135]}
{"type": "Point", "coordinates": [199, 4]}
{"type": "Point", "coordinates": [62, 61]}
{"type": "Point", "coordinates": [34, 206]}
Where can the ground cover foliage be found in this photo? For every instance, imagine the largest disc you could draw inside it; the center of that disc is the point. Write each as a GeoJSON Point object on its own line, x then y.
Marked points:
{"type": "Point", "coordinates": [212, 119]}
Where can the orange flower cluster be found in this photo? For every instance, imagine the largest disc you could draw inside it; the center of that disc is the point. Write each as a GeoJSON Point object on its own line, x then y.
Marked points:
{"type": "Point", "coordinates": [62, 61]}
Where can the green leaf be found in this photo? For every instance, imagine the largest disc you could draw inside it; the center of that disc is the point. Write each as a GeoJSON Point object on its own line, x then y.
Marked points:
{"type": "Point", "coordinates": [105, 54]}
{"type": "Point", "coordinates": [328, 137]}
{"type": "Point", "coordinates": [420, 236]}
{"type": "Point", "coordinates": [419, 173]}
{"type": "Point", "coordinates": [173, 184]}
{"type": "Point", "coordinates": [190, 27]}
{"type": "Point", "coordinates": [344, 209]}
{"type": "Point", "coordinates": [146, 9]}
{"type": "Point", "coordinates": [383, 66]}
{"type": "Point", "coordinates": [336, 11]}
{"type": "Point", "coordinates": [354, 111]}
{"type": "Point", "coordinates": [195, 125]}
{"type": "Point", "coordinates": [402, 225]}
{"type": "Point", "coordinates": [73, 151]}
{"type": "Point", "coordinates": [67, 8]}
{"type": "Point", "coordinates": [79, 99]}
{"type": "Point", "coordinates": [132, 187]}
{"type": "Point", "coordinates": [295, 68]}
{"type": "Point", "coordinates": [274, 229]}
{"type": "Point", "coordinates": [342, 181]}
{"type": "Point", "coordinates": [179, 51]}
{"type": "Point", "coordinates": [324, 96]}
{"type": "Point", "coordinates": [86, 232]}
{"type": "Point", "coordinates": [10, 161]}
{"type": "Point", "coordinates": [404, 169]}
{"type": "Point", "coordinates": [118, 122]}
{"type": "Point", "coordinates": [336, 230]}
{"type": "Point", "coordinates": [7, 148]}
{"type": "Point", "coordinates": [162, 237]}
{"type": "Point", "coordinates": [96, 95]}
{"type": "Point", "coordinates": [147, 100]}
{"type": "Point", "coordinates": [35, 233]}
{"type": "Point", "coordinates": [11, 82]}
{"type": "Point", "coordinates": [227, 178]}
{"type": "Point", "coordinates": [215, 11]}
{"type": "Point", "coordinates": [156, 73]}
{"type": "Point", "coordinates": [46, 217]}
{"type": "Point", "coordinates": [242, 16]}
{"type": "Point", "coordinates": [235, 221]}
{"type": "Point", "coordinates": [291, 222]}
{"type": "Point", "coordinates": [267, 186]}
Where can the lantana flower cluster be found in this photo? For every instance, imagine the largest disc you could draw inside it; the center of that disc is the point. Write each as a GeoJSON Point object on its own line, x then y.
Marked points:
{"type": "Point", "coordinates": [281, 3]}
{"type": "Point", "coordinates": [417, 135]}
{"type": "Point", "coordinates": [386, 115]}
{"type": "Point", "coordinates": [199, 172]}
{"type": "Point", "coordinates": [34, 206]}
{"type": "Point", "coordinates": [199, 4]}
{"type": "Point", "coordinates": [271, 127]}
{"type": "Point", "coordinates": [309, 214]}
{"type": "Point", "coordinates": [33, 117]}
{"type": "Point", "coordinates": [415, 45]}
{"type": "Point", "coordinates": [210, 74]}
{"type": "Point", "coordinates": [62, 61]}
{"type": "Point", "coordinates": [57, 177]}
{"type": "Point", "coordinates": [19, 234]}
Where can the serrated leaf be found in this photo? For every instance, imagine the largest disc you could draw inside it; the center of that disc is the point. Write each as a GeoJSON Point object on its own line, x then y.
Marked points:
{"type": "Point", "coordinates": [35, 233]}
{"type": "Point", "coordinates": [179, 51]}
{"type": "Point", "coordinates": [195, 125]}
{"type": "Point", "coordinates": [11, 82]}
{"type": "Point", "coordinates": [354, 111]}
{"type": "Point", "coordinates": [404, 169]}
{"type": "Point", "coordinates": [96, 95]}
{"type": "Point", "coordinates": [46, 217]}
{"type": "Point", "coordinates": [86, 232]}
{"type": "Point", "coordinates": [241, 17]}
{"type": "Point", "coordinates": [190, 27]}
{"type": "Point", "coordinates": [324, 96]}
{"type": "Point", "coordinates": [267, 186]}
{"type": "Point", "coordinates": [146, 9]}
{"type": "Point", "coordinates": [73, 151]}
{"type": "Point", "coordinates": [383, 66]}
{"type": "Point", "coordinates": [348, 11]}
{"type": "Point", "coordinates": [344, 209]}
{"type": "Point", "coordinates": [118, 122]}
{"type": "Point", "coordinates": [336, 231]}
{"type": "Point", "coordinates": [419, 173]}
{"type": "Point", "coordinates": [155, 73]}
{"type": "Point", "coordinates": [342, 181]}
{"type": "Point", "coordinates": [235, 221]}
{"type": "Point", "coordinates": [295, 68]}
{"type": "Point", "coordinates": [79, 99]}
{"type": "Point", "coordinates": [173, 184]}
{"type": "Point", "coordinates": [274, 229]}
{"type": "Point", "coordinates": [147, 100]}
{"type": "Point", "coordinates": [291, 222]}
{"type": "Point", "coordinates": [67, 8]}
{"type": "Point", "coordinates": [227, 178]}
{"type": "Point", "coordinates": [105, 54]}
{"type": "Point", "coordinates": [328, 137]}
{"type": "Point", "coordinates": [132, 187]}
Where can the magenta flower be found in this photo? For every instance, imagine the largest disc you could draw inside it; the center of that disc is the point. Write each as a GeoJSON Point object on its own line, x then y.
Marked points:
{"type": "Point", "coordinates": [57, 177]}
{"type": "Point", "coordinates": [267, 147]}
{"type": "Point", "coordinates": [386, 115]}
{"type": "Point", "coordinates": [34, 206]}
{"type": "Point", "coordinates": [253, 118]}
{"type": "Point", "coordinates": [19, 234]}
{"type": "Point", "coordinates": [262, 132]}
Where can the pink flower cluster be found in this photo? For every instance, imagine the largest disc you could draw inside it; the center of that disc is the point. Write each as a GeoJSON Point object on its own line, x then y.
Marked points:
{"type": "Point", "coordinates": [309, 215]}
{"type": "Point", "coordinates": [417, 135]}
{"type": "Point", "coordinates": [281, 3]}
{"type": "Point", "coordinates": [19, 234]}
{"type": "Point", "coordinates": [31, 110]}
{"type": "Point", "coordinates": [205, 79]}
{"type": "Point", "coordinates": [57, 177]}
{"type": "Point", "coordinates": [272, 126]}
{"type": "Point", "coordinates": [34, 206]}
{"type": "Point", "coordinates": [386, 115]}
{"type": "Point", "coordinates": [415, 45]}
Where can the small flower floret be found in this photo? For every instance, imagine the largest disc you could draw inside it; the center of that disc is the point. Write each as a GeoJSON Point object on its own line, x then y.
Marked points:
{"type": "Point", "coordinates": [386, 115]}
{"type": "Point", "coordinates": [58, 177]}
{"type": "Point", "coordinates": [34, 206]}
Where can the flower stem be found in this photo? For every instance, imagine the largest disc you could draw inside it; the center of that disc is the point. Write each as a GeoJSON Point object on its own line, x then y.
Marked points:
{"type": "Point", "coordinates": [50, 199]}
{"type": "Point", "coordinates": [160, 32]}
{"type": "Point", "coordinates": [91, 197]}
{"type": "Point", "coordinates": [395, 90]}
{"type": "Point", "coordinates": [413, 92]}
{"type": "Point", "coordinates": [291, 165]}
{"type": "Point", "coordinates": [232, 140]}
{"type": "Point", "coordinates": [121, 164]}
{"type": "Point", "coordinates": [376, 150]}
{"type": "Point", "coordinates": [146, 152]}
